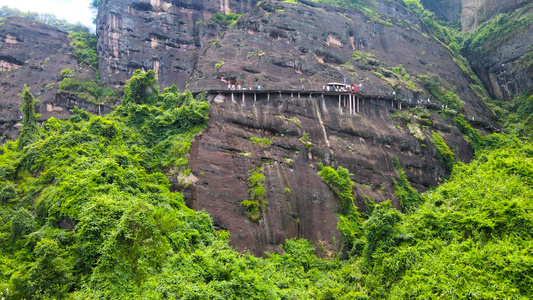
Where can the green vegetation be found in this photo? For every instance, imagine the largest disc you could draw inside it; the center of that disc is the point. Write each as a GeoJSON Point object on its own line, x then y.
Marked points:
{"type": "Point", "coordinates": [254, 205]}
{"type": "Point", "coordinates": [91, 91]}
{"type": "Point", "coordinates": [224, 20]}
{"type": "Point", "coordinates": [339, 181]}
{"type": "Point", "coordinates": [497, 30]}
{"type": "Point", "coordinates": [84, 44]}
{"type": "Point", "coordinates": [263, 142]}
{"type": "Point", "coordinates": [96, 91]}
{"type": "Point", "coordinates": [219, 64]}
{"type": "Point", "coordinates": [478, 221]}
{"type": "Point", "coordinates": [441, 91]}
{"type": "Point", "coordinates": [517, 115]}
{"type": "Point", "coordinates": [306, 140]}
{"type": "Point", "coordinates": [350, 3]}
{"type": "Point", "coordinates": [350, 222]}
{"type": "Point", "coordinates": [451, 39]}
{"type": "Point", "coordinates": [440, 32]}
{"type": "Point", "coordinates": [29, 132]}
{"type": "Point", "coordinates": [444, 154]}
{"type": "Point", "coordinates": [293, 120]}
{"type": "Point", "coordinates": [364, 6]}
{"type": "Point", "coordinates": [396, 77]}
{"type": "Point", "coordinates": [86, 212]}
{"type": "Point", "coordinates": [253, 54]}
{"type": "Point", "coordinates": [527, 62]}
{"type": "Point", "coordinates": [472, 135]}
{"type": "Point", "coordinates": [409, 198]}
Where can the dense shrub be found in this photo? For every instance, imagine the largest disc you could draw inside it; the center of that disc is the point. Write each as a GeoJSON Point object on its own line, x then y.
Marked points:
{"type": "Point", "coordinates": [89, 90]}
{"type": "Point", "coordinates": [444, 154]}
{"type": "Point", "coordinates": [434, 84]}
{"type": "Point", "coordinates": [84, 44]}
{"type": "Point", "coordinates": [409, 198]}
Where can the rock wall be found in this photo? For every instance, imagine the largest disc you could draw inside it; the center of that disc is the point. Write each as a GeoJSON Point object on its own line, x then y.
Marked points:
{"type": "Point", "coordinates": [287, 44]}
{"type": "Point", "coordinates": [470, 13]}
{"type": "Point", "coordinates": [300, 204]}
{"type": "Point", "coordinates": [446, 10]}
{"type": "Point", "coordinates": [474, 12]}
{"type": "Point", "coordinates": [499, 64]}
{"type": "Point", "coordinates": [32, 53]}
{"type": "Point", "coordinates": [166, 36]}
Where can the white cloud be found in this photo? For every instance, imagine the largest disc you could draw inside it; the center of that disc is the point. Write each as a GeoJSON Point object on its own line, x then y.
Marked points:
{"type": "Point", "coordinates": [71, 10]}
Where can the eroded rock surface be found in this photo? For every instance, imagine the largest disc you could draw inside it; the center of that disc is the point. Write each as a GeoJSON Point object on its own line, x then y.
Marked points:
{"type": "Point", "coordinates": [447, 10]}
{"type": "Point", "coordinates": [34, 54]}
{"type": "Point", "coordinates": [286, 45]}
{"type": "Point", "coordinates": [470, 13]}
{"type": "Point", "coordinates": [500, 63]}
{"type": "Point", "coordinates": [300, 204]}
{"type": "Point", "coordinates": [296, 45]}
{"type": "Point", "coordinates": [166, 36]}
{"type": "Point", "coordinates": [474, 12]}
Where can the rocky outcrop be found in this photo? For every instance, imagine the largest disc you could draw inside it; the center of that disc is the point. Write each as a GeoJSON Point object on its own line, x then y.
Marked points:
{"type": "Point", "coordinates": [162, 35]}
{"type": "Point", "coordinates": [498, 63]}
{"type": "Point", "coordinates": [275, 44]}
{"type": "Point", "coordinates": [470, 13]}
{"type": "Point", "coordinates": [32, 53]}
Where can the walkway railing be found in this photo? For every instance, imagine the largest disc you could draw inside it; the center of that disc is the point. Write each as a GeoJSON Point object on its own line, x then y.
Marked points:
{"type": "Point", "coordinates": [368, 92]}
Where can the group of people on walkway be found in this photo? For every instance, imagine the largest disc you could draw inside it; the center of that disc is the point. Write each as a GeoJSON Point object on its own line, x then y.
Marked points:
{"type": "Point", "coordinates": [233, 87]}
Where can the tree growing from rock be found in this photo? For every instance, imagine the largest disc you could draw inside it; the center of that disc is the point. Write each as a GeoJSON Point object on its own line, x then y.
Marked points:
{"type": "Point", "coordinates": [29, 132]}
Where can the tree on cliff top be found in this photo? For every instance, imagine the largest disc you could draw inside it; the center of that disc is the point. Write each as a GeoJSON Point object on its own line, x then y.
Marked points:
{"type": "Point", "coordinates": [29, 132]}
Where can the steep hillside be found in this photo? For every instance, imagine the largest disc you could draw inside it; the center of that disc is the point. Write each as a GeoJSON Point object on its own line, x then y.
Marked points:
{"type": "Point", "coordinates": [309, 44]}
{"type": "Point", "coordinates": [86, 214]}
{"type": "Point", "coordinates": [297, 45]}
{"type": "Point", "coordinates": [470, 13]}
{"type": "Point", "coordinates": [284, 193]}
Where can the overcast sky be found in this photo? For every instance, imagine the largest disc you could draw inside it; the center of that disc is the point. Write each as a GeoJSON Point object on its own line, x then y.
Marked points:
{"type": "Point", "coordinates": [71, 10]}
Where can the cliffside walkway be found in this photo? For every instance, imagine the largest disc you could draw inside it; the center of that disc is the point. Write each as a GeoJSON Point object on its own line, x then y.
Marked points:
{"type": "Point", "coordinates": [345, 98]}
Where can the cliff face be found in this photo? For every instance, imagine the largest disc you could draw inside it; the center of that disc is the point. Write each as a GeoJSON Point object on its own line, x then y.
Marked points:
{"type": "Point", "coordinates": [33, 53]}
{"type": "Point", "coordinates": [294, 45]}
{"type": "Point", "coordinates": [161, 35]}
{"type": "Point", "coordinates": [474, 12]}
{"type": "Point", "coordinates": [470, 13]}
{"type": "Point", "coordinates": [500, 61]}
{"type": "Point", "coordinates": [447, 10]}
{"type": "Point", "coordinates": [299, 203]}
{"type": "Point", "coordinates": [289, 45]}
